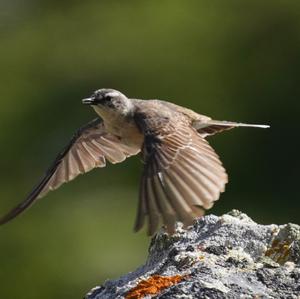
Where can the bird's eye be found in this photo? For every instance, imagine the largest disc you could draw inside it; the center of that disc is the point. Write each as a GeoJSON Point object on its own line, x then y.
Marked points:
{"type": "Point", "coordinates": [107, 98]}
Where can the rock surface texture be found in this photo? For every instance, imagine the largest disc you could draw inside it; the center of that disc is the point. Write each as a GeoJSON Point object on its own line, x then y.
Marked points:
{"type": "Point", "coordinates": [218, 257]}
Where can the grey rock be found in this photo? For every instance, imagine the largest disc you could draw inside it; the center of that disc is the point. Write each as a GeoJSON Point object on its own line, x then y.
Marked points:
{"type": "Point", "coordinates": [218, 257]}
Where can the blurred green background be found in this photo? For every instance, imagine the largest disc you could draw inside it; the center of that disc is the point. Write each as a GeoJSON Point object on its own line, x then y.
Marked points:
{"type": "Point", "coordinates": [233, 60]}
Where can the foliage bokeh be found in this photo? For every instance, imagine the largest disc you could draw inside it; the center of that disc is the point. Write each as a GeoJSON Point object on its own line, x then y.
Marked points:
{"type": "Point", "coordinates": [230, 60]}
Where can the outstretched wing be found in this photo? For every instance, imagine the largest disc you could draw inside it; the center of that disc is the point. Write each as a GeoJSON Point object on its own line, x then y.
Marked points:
{"type": "Point", "coordinates": [182, 174]}
{"type": "Point", "coordinates": [211, 127]}
{"type": "Point", "coordinates": [89, 148]}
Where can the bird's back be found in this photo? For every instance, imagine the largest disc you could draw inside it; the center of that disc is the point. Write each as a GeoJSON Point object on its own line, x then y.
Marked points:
{"type": "Point", "coordinates": [172, 108]}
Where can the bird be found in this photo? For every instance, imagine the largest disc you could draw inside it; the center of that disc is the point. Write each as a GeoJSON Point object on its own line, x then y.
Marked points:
{"type": "Point", "coordinates": [182, 174]}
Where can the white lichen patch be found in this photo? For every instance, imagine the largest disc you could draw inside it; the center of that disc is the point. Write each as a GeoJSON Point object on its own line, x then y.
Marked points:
{"type": "Point", "coordinates": [241, 255]}
{"type": "Point", "coordinates": [290, 266]}
{"type": "Point", "coordinates": [217, 285]}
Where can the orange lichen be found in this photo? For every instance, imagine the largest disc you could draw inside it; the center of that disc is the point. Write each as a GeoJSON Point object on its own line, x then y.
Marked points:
{"type": "Point", "coordinates": [279, 251]}
{"type": "Point", "coordinates": [152, 286]}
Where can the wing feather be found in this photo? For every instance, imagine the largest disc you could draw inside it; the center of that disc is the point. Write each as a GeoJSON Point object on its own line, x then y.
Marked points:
{"type": "Point", "coordinates": [183, 173]}
{"type": "Point", "coordinates": [154, 214]}
{"type": "Point", "coordinates": [167, 211]}
{"type": "Point", "coordinates": [180, 205]}
{"type": "Point", "coordinates": [142, 206]}
{"type": "Point", "coordinates": [89, 148]}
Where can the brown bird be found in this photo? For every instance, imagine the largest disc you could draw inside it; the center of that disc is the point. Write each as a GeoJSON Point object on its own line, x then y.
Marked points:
{"type": "Point", "coordinates": [182, 176]}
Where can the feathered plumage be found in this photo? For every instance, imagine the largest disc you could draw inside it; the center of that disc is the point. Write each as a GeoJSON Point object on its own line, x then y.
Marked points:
{"type": "Point", "coordinates": [182, 176]}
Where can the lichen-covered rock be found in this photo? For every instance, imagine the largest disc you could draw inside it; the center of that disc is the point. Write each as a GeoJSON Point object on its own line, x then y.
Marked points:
{"type": "Point", "coordinates": [218, 257]}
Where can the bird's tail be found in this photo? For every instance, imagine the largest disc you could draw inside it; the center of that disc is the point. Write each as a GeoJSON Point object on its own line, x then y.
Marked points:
{"type": "Point", "coordinates": [212, 127]}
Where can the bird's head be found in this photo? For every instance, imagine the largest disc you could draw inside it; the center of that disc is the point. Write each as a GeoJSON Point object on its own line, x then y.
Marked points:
{"type": "Point", "coordinates": [109, 101]}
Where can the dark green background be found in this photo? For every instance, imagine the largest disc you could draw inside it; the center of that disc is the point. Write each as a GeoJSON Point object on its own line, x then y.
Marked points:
{"type": "Point", "coordinates": [233, 60]}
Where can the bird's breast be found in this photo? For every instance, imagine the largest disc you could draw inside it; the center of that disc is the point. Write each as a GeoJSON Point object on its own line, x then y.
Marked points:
{"type": "Point", "coordinates": [127, 130]}
{"type": "Point", "coordinates": [121, 126]}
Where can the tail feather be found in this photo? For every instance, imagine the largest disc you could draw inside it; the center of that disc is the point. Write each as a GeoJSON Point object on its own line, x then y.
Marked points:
{"type": "Point", "coordinates": [212, 127]}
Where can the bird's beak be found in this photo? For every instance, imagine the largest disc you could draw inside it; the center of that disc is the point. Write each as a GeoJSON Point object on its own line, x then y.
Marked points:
{"type": "Point", "coordinates": [88, 101]}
